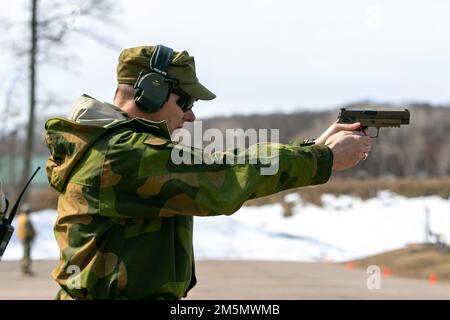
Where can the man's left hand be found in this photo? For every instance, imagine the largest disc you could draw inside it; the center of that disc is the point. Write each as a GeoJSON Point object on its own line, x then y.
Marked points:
{"type": "Point", "coordinates": [337, 127]}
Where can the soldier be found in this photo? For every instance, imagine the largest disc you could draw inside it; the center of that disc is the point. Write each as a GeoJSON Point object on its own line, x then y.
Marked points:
{"type": "Point", "coordinates": [125, 209]}
{"type": "Point", "coordinates": [26, 233]}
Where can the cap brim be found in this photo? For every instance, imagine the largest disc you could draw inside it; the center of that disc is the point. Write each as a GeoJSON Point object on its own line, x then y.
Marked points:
{"type": "Point", "coordinates": [198, 91]}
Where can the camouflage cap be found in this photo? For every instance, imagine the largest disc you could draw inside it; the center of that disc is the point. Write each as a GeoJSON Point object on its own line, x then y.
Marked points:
{"type": "Point", "coordinates": [182, 68]}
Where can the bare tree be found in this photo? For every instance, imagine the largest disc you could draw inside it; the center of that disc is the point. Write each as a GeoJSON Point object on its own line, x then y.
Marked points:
{"type": "Point", "coordinates": [51, 24]}
{"type": "Point", "coordinates": [32, 98]}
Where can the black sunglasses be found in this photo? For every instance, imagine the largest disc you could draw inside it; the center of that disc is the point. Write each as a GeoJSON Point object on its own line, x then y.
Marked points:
{"type": "Point", "coordinates": [185, 102]}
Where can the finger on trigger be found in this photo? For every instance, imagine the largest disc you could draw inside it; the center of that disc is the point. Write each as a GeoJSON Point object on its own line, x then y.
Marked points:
{"type": "Point", "coordinates": [359, 133]}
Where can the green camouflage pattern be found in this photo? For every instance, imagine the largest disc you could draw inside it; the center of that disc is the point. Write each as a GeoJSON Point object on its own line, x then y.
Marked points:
{"type": "Point", "coordinates": [182, 68]}
{"type": "Point", "coordinates": [125, 210]}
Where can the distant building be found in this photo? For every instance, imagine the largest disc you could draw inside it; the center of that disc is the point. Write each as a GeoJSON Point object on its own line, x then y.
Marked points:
{"type": "Point", "coordinates": [11, 170]}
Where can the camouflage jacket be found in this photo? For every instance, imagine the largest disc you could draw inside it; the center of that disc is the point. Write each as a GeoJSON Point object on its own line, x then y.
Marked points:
{"type": "Point", "coordinates": [125, 210]}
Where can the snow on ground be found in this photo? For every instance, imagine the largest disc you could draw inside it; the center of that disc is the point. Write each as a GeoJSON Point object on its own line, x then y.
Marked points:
{"type": "Point", "coordinates": [344, 228]}
{"type": "Point", "coordinates": [45, 246]}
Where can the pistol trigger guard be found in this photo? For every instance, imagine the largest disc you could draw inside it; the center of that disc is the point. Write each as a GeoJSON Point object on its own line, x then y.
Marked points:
{"type": "Point", "coordinates": [378, 133]}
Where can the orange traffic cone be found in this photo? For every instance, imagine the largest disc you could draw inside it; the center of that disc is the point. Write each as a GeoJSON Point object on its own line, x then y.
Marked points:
{"type": "Point", "coordinates": [387, 272]}
{"type": "Point", "coordinates": [432, 279]}
{"type": "Point", "coordinates": [349, 265]}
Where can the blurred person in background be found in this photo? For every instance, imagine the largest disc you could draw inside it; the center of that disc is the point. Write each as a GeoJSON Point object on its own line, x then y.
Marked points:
{"type": "Point", "coordinates": [26, 234]}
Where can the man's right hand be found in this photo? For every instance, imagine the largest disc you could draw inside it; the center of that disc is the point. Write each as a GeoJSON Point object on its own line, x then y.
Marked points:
{"type": "Point", "coordinates": [349, 148]}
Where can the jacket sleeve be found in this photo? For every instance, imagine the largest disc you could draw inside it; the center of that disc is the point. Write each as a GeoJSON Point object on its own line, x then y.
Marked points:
{"type": "Point", "coordinates": [153, 182]}
{"type": "Point", "coordinates": [301, 142]}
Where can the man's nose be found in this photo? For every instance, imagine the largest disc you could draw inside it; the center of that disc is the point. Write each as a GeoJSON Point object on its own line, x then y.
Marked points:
{"type": "Point", "coordinates": [189, 116]}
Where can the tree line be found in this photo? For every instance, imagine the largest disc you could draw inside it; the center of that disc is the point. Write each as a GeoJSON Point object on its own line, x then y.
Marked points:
{"type": "Point", "coordinates": [420, 149]}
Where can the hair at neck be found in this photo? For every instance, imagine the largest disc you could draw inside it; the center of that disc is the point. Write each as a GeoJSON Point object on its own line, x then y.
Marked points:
{"type": "Point", "coordinates": [124, 94]}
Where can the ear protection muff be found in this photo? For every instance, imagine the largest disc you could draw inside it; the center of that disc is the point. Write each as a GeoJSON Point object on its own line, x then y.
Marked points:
{"type": "Point", "coordinates": [152, 89]}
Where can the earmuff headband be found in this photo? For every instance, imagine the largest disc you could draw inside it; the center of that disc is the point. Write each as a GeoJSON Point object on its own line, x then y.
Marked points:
{"type": "Point", "coordinates": [160, 60]}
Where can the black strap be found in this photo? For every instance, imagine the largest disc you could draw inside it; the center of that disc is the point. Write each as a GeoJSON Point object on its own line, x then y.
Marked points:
{"type": "Point", "coordinates": [160, 60]}
{"type": "Point", "coordinates": [16, 205]}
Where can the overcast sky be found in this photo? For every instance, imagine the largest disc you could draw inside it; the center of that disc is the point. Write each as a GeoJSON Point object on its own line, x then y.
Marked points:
{"type": "Point", "coordinates": [266, 56]}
